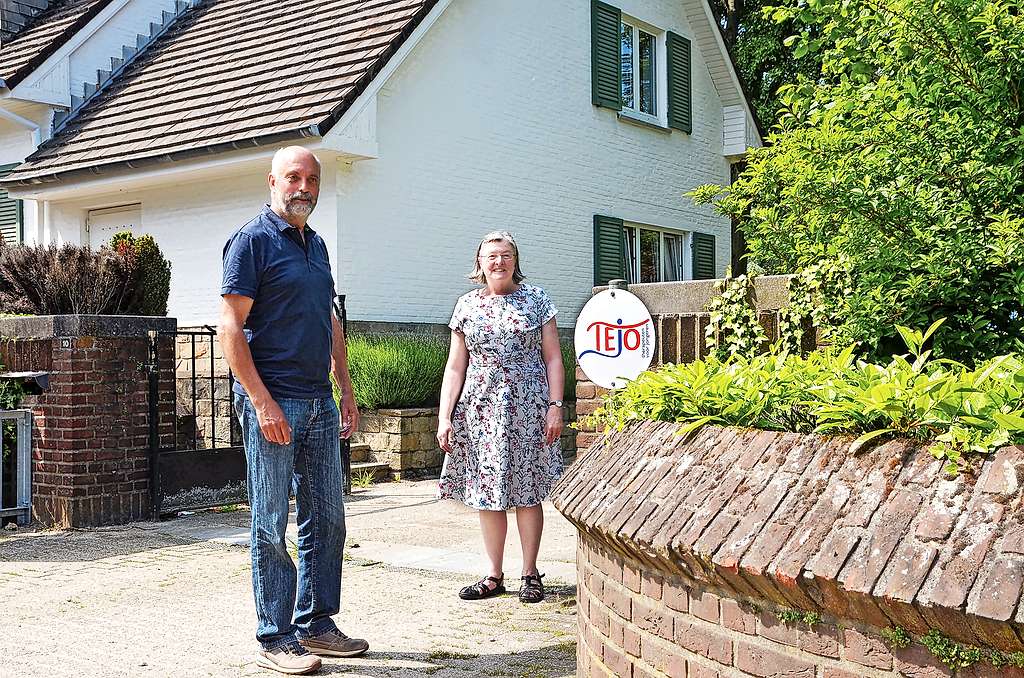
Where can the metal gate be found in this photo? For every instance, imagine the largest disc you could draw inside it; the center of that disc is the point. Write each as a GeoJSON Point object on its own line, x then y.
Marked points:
{"type": "Point", "coordinates": [204, 464]}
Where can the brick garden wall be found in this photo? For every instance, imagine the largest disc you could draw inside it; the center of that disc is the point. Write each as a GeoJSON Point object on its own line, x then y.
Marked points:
{"type": "Point", "coordinates": [90, 457]}
{"type": "Point", "coordinates": [642, 624]}
{"type": "Point", "coordinates": [690, 548]}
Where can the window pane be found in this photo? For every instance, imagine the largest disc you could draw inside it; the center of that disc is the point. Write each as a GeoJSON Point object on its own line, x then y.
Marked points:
{"type": "Point", "coordinates": [647, 73]}
{"type": "Point", "coordinates": [627, 65]}
{"type": "Point", "coordinates": [673, 259]}
{"type": "Point", "coordinates": [649, 244]}
{"type": "Point", "coordinates": [630, 250]}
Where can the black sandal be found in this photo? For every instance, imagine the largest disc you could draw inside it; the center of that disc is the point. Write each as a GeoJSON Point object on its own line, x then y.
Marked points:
{"type": "Point", "coordinates": [481, 590]}
{"type": "Point", "coordinates": [532, 589]}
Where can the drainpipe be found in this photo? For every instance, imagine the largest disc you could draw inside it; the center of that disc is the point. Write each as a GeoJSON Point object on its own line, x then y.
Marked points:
{"type": "Point", "coordinates": [24, 122]}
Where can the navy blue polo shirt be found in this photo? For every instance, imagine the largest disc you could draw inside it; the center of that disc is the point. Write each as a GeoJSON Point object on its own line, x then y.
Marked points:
{"type": "Point", "coordinates": [290, 283]}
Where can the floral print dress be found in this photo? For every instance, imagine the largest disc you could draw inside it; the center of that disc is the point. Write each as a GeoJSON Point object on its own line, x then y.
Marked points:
{"type": "Point", "coordinates": [499, 458]}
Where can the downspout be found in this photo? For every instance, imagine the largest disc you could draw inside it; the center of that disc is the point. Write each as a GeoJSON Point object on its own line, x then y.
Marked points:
{"type": "Point", "coordinates": [24, 122]}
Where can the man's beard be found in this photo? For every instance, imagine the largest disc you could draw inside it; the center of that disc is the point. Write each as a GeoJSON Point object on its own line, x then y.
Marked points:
{"type": "Point", "coordinates": [299, 209]}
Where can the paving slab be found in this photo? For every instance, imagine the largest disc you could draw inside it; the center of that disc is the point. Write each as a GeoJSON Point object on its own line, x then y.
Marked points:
{"type": "Point", "coordinates": [174, 598]}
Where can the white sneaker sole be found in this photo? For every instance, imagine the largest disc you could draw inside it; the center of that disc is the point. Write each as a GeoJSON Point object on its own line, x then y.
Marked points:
{"type": "Point", "coordinates": [265, 663]}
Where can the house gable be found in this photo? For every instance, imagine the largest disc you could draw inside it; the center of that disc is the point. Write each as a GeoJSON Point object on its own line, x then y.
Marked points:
{"type": "Point", "coordinates": [230, 75]}
{"type": "Point", "coordinates": [46, 33]}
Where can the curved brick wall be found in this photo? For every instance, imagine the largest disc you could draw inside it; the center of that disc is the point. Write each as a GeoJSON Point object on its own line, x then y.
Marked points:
{"type": "Point", "coordinates": [690, 549]}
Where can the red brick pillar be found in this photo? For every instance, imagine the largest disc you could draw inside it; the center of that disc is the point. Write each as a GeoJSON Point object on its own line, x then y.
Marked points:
{"type": "Point", "coordinates": [91, 447]}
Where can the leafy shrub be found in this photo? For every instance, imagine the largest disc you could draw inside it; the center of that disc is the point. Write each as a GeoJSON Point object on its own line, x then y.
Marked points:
{"type": "Point", "coordinates": [405, 370]}
{"type": "Point", "coordinates": [150, 272]}
{"type": "Point", "coordinates": [133, 279]}
{"type": "Point", "coordinates": [898, 167]}
{"type": "Point", "coordinates": [963, 410]}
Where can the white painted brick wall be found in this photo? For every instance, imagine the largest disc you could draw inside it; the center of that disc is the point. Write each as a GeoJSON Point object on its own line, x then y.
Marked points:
{"type": "Point", "coordinates": [489, 124]}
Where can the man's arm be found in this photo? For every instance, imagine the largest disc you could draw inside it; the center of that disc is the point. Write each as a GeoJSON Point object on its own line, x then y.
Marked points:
{"type": "Point", "coordinates": [339, 368]}
{"type": "Point", "coordinates": [233, 312]}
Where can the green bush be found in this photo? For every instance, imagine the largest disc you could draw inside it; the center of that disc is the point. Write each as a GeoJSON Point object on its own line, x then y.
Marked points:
{"type": "Point", "coordinates": [129, 278]}
{"type": "Point", "coordinates": [897, 170]}
{"type": "Point", "coordinates": [150, 272]}
{"type": "Point", "coordinates": [963, 410]}
{"type": "Point", "coordinates": [405, 370]}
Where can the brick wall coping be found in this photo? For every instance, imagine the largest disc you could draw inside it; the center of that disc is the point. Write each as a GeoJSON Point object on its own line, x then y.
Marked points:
{"type": "Point", "coordinates": [691, 296]}
{"type": "Point", "coordinates": [47, 326]}
{"type": "Point", "coordinates": [407, 412]}
{"type": "Point", "coordinates": [881, 538]}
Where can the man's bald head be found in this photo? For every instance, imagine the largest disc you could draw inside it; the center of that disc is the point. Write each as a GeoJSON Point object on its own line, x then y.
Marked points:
{"type": "Point", "coordinates": [294, 181]}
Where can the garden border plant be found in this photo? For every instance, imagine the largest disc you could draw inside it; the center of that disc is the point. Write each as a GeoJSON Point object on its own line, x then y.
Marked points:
{"type": "Point", "coordinates": [404, 370]}
{"type": "Point", "coordinates": [963, 410]}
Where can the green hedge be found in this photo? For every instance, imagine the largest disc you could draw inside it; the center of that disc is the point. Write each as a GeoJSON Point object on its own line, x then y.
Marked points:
{"type": "Point", "coordinates": [963, 410]}
{"type": "Point", "coordinates": [405, 370]}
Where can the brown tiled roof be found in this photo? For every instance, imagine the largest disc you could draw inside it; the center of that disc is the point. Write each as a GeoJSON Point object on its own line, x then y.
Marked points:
{"type": "Point", "coordinates": [231, 74]}
{"type": "Point", "coordinates": [47, 32]}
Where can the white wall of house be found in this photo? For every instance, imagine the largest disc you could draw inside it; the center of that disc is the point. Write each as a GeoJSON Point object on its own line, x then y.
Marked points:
{"type": "Point", "coordinates": [489, 125]}
{"type": "Point", "coordinates": [17, 143]}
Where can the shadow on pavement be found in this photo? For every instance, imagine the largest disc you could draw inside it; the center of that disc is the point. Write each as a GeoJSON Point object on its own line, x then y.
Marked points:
{"type": "Point", "coordinates": [552, 661]}
{"type": "Point", "coordinates": [74, 546]}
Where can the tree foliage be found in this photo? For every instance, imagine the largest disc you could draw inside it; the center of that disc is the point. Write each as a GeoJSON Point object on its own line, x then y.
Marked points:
{"type": "Point", "coordinates": [764, 62]}
{"type": "Point", "coordinates": [902, 168]}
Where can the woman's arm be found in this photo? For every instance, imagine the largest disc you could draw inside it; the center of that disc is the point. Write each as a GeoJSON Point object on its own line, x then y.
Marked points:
{"type": "Point", "coordinates": [451, 387]}
{"type": "Point", "coordinates": [551, 351]}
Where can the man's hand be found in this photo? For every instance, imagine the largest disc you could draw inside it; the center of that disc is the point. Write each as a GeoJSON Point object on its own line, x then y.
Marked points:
{"type": "Point", "coordinates": [272, 421]}
{"type": "Point", "coordinates": [349, 414]}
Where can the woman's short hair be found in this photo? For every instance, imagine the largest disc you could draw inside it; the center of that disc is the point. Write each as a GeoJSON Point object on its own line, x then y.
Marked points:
{"type": "Point", "coordinates": [496, 236]}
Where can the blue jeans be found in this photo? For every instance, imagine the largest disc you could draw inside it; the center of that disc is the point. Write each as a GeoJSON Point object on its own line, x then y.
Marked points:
{"type": "Point", "coordinates": [310, 467]}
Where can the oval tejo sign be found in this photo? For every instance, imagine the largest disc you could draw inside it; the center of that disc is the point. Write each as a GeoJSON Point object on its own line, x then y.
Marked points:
{"type": "Point", "coordinates": [614, 338]}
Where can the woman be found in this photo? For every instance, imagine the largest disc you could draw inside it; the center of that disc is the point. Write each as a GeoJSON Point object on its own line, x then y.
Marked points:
{"type": "Point", "coordinates": [502, 438]}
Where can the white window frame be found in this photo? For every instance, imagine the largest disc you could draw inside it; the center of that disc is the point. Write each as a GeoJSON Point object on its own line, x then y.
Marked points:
{"type": "Point", "coordinates": [686, 265]}
{"type": "Point", "coordinates": [660, 118]}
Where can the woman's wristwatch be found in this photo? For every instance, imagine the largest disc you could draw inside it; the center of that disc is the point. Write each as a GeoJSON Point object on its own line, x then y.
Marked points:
{"type": "Point", "coordinates": [556, 403]}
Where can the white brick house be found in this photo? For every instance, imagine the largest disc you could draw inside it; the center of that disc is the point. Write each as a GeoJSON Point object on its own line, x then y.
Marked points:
{"type": "Point", "coordinates": [478, 115]}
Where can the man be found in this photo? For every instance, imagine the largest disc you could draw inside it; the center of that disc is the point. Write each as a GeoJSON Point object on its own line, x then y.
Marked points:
{"type": "Point", "coordinates": [282, 340]}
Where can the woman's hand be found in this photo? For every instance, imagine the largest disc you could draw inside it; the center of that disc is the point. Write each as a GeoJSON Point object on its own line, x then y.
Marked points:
{"type": "Point", "coordinates": [444, 434]}
{"type": "Point", "coordinates": [553, 424]}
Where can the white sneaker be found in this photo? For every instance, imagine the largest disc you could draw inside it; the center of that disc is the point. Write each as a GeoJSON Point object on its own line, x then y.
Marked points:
{"type": "Point", "coordinates": [290, 658]}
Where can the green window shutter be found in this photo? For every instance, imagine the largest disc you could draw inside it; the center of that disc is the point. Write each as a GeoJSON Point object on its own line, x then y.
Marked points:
{"type": "Point", "coordinates": [680, 87]}
{"type": "Point", "coordinates": [606, 61]}
{"type": "Point", "coordinates": [703, 256]}
{"type": "Point", "coordinates": [609, 250]}
{"type": "Point", "coordinates": [10, 212]}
